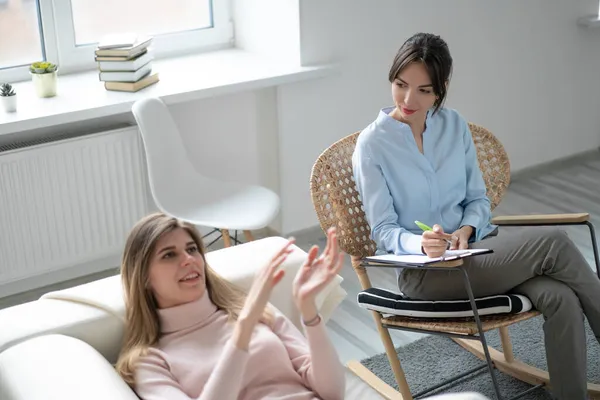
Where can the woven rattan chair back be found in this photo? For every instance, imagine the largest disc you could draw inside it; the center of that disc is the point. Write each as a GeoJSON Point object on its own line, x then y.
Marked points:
{"type": "Point", "coordinates": [337, 203]}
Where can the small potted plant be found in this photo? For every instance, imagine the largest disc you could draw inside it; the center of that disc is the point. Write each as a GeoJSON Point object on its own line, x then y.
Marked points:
{"type": "Point", "coordinates": [43, 75]}
{"type": "Point", "coordinates": [8, 97]}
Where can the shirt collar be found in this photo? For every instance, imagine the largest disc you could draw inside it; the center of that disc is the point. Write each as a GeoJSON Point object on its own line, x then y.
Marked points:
{"type": "Point", "coordinates": [386, 121]}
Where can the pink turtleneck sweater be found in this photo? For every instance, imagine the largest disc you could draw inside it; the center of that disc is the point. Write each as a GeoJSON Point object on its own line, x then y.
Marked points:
{"type": "Point", "coordinates": [195, 359]}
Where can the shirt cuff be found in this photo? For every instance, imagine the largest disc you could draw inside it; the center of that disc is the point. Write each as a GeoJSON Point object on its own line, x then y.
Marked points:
{"type": "Point", "coordinates": [411, 243]}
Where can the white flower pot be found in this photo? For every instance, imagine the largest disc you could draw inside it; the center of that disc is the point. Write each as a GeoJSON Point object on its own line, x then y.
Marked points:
{"type": "Point", "coordinates": [45, 84]}
{"type": "Point", "coordinates": [9, 103]}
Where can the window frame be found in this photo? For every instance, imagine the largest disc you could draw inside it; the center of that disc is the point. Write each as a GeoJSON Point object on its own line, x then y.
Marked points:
{"type": "Point", "coordinates": [47, 26]}
{"type": "Point", "coordinates": [58, 45]}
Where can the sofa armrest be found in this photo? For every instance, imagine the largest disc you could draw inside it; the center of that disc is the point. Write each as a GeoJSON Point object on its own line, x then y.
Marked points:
{"type": "Point", "coordinates": [57, 367]}
{"type": "Point", "coordinates": [94, 326]}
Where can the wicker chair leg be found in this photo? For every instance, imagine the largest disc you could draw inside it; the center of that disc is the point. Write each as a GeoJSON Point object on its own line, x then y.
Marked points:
{"type": "Point", "coordinates": [506, 344]}
{"type": "Point", "coordinates": [226, 238]}
{"type": "Point", "coordinates": [384, 333]}
{"type": "Point", "coordinates": [392, 356]}
{"type": "Point", "coordinates": [248, 235]}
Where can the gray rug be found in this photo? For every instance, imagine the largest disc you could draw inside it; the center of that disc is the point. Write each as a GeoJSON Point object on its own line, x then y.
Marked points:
{"type": "Point", "coordinates": [433, 359]}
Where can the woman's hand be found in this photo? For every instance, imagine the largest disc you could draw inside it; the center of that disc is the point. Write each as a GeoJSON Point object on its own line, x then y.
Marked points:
{"type": "Point", "coordinates": [462, 238]}
{"type": "Point", "coordinates": [315, 274]}
{"type": "Point", "coordinates": [435, 242]}
{"type": "Point", "coordinates": [258, 297]}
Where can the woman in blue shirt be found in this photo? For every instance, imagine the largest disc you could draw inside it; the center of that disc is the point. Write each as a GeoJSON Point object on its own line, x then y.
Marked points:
{"type": "Point", "coordinates": [417, 161]}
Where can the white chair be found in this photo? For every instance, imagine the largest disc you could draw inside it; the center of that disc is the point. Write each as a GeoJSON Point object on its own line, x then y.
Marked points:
{"type": "Point", "coordinates": [181, 191]}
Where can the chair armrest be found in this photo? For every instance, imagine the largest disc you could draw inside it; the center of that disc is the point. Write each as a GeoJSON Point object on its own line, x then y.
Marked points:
{"type": "Point", "coordinates": [440, 264]}
{"type": "Point", "coordinates": [541, 219]}
{"type": "Point", "coordinates": [448, 264]}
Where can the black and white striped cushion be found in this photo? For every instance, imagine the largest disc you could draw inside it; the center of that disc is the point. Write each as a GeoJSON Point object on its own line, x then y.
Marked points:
{"type": "Point", "coordinates": [391, 303]}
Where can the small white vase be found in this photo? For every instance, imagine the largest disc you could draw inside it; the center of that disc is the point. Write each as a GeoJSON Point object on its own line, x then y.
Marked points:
{"type": "Point", "coordinates": [9, 103]}
{"type": "Point", "coordinates": [45, 84]}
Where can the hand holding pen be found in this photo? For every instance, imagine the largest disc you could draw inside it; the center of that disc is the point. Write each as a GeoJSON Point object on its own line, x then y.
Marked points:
{"type": "Point", "coordinates": [434, 242]}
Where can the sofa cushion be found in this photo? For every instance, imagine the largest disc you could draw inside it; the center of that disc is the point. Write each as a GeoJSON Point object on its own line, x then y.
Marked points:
{"type": "Point", "coordinates": [58, 367]}
{"type": "Point", "coordinates": [392, 303]}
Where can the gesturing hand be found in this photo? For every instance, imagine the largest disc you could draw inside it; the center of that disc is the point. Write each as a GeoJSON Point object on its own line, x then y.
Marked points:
{"type": "Point", "coordinates": [315, 274]}
{"type": "Point", "coordinates": [258, 296]}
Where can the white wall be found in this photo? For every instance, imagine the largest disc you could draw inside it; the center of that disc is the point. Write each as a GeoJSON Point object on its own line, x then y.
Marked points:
{"type": "Point", "coordinates": [525, 70]}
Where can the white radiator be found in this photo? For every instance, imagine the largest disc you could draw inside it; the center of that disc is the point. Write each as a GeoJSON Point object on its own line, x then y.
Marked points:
{"type": "Point", "coordinates": [68, 202]}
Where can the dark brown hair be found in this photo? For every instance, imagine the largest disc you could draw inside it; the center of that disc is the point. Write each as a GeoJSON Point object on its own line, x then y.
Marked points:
{"type": "Point", "coordinates": [433, 52]}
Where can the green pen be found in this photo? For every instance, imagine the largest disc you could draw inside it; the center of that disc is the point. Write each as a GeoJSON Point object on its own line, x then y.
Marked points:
{"type": "Point", "coordinates": [423, 226]}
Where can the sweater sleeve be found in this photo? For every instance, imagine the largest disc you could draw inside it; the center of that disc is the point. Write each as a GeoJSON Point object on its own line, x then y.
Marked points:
{"type": "Point", "coordinates": [316, 362]}
{"type": "Point", "coordinates": [476, 205]}
{"type": "Point", "coordinates": [154, 380]}
{"type": "Point", "coordinates": [379, 207]}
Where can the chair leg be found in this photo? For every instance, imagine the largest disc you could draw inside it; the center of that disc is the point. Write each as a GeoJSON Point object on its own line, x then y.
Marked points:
{"type": "Point", "coordinates": [486, 351]}
{"type": "Point", "coordinates": [248, 236]}
{"type": "Point", "coordinates": [214, 240]}
{"type": "Point", "coordinates": [362, 372]}
{"type": "Point", "coordinates": [506, 344]}
{"type": "Point", "coordinates": [384, 333]}
{"type": "Point", "coordinates": [226, 237]}
{"type": "Point", "coordinates": [392, 356]}
{"type": "Point", "coordinates": [594, 246]}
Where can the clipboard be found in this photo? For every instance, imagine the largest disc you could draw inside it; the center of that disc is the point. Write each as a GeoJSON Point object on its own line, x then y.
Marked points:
{"type": "Point", "coordinates": [417, 260]}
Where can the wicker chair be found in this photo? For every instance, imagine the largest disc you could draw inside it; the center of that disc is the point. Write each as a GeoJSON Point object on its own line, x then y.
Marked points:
{"type": "Point", "coordinates": [337, 203]}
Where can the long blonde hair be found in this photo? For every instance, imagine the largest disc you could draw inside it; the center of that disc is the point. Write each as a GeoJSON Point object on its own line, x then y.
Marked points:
{"type": "Point", "coordinates": [142, 326]}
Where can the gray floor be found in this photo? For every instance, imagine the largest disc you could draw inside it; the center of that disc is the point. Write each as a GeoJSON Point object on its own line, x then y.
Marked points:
{"type": "Point", "coordinates": [570, 186]}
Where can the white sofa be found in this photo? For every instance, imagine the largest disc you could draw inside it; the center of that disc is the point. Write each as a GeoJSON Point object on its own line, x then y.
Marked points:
{"type": "Point", "coordinates": [63, 345]}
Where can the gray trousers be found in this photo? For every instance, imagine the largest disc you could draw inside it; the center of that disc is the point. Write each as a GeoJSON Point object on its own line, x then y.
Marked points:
{"type": "Point", "coordinates": [544, 265]}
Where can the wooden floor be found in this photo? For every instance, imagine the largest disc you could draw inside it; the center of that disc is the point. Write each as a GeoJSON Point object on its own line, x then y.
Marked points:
{"type": "Point", "coordinates": [560, 188]}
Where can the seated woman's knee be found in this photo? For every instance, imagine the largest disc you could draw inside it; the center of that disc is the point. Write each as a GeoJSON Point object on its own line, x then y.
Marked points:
{"type": "Point", "coordinates": [551, 296]}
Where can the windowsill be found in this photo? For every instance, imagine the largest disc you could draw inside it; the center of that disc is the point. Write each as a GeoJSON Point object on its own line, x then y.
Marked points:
{"type": "Point", "coordinates": [82, 96]}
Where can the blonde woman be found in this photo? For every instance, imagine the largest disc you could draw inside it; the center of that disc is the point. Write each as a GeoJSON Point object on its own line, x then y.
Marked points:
{"type": "Point", "coordinates": [190, 334]}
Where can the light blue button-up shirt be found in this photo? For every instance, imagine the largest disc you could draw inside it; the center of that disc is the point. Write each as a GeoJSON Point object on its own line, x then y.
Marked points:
{"type": "Point", "coordinates": [398, 184]}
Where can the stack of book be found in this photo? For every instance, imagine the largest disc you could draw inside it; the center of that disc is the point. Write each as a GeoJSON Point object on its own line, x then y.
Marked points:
{"type": "Point", "coordinates": [125, 62]}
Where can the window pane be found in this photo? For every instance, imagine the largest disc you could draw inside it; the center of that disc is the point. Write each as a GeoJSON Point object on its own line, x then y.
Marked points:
{"type": "Point", "coordinates": [94, 19]}
{"type": "Point", "coordinates": [20, 42]}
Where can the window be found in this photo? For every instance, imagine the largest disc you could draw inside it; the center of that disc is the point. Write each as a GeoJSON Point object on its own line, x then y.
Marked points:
{"type": "Point", "coordinates": [92, 20]}
{"type": "Point", "coordinates": [19, 19]}
{"type": "Point", "coordinates": [66, 31]}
